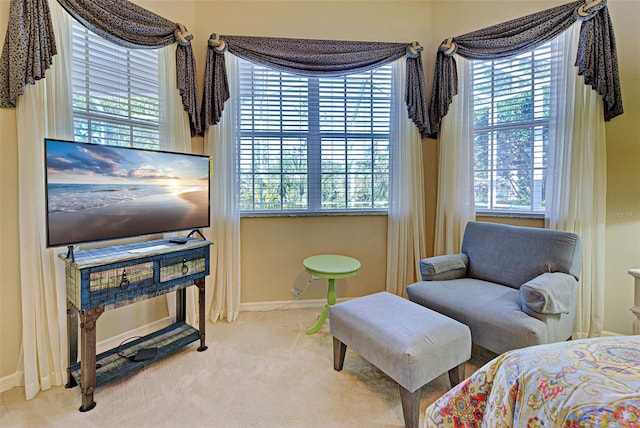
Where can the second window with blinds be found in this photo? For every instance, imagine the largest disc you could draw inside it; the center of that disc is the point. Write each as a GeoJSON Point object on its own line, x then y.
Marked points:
{"type": "Point", "coordinates": [313, 145]}
{"type": "Point", "coordinates": [512, 112]}
{"type": "Point", "coordinates": [115, 92]}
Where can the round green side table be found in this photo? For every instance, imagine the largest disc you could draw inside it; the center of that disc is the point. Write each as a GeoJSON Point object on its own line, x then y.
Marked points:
{"type": "Point", "coordinates": [332, 267]}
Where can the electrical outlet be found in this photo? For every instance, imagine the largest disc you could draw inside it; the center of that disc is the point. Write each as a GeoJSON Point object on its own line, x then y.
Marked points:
{"type": "Point", "coordinates": [313, 277]}
{"type": "Point", "coordinates": [296, 292]}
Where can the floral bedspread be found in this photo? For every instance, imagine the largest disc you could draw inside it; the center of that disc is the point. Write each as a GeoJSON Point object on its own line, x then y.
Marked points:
{"type": "Point", "coordinates": [580, 383]}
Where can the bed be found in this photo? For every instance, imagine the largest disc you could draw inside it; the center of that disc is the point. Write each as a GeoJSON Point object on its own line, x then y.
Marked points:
{"type": "Point", "coordinates": [579, 383]}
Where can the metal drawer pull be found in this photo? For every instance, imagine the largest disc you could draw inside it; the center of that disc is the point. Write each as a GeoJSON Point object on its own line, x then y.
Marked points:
{"type": "Point", "coordinates": [185, 268]}
{"type": "Point", "coordinates": [124, 282]}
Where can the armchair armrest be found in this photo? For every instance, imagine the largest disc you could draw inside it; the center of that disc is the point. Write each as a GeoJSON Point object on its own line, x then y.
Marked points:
{"type": "Point", "coordinates": [549, 293]}
{"type": "Point", "coordinates": [440, 268]}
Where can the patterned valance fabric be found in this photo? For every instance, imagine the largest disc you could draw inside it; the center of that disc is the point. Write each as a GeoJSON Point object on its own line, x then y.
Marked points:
{"type": "Point", "coordinates": [26, 54]}
{"type": "Point", "coordinates": [119, 21]}
{"type": "Point", "coordinates": [122, 22]}
{"type": "Point", "coordinates": [597, 58]}
{"type": "Point", "coordinates": [311, 58]}
{"type": "Point", "coordinates": [597, 61]}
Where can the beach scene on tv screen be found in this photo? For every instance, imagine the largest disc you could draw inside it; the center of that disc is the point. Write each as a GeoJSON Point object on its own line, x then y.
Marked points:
{"type": "Point", "coordinates": [97, 192]}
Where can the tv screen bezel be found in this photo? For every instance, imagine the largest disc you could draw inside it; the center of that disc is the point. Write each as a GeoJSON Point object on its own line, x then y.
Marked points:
{"type": "Point", "coordinates": [195, 227]}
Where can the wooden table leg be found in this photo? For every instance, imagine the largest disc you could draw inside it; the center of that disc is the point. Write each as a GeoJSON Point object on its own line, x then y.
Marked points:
{"type": "Point", "coordinates": [72, 338]}
{"type": "Point", "coordinates": [201, 315]}
{"type": "Point", "coordinates": [410, 407]}
{"type": "Point", "coordinates": [88, 320]}
{"type": "Point", "coordinates": [181, 305]}
{"type": "Point", "coordinates": [456, 375]}
{"type": "Point", "coordinates": [339, 352]}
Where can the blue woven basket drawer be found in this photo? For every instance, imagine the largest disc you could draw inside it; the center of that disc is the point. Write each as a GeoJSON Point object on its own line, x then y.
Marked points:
{"type": "Point", "coordinates": [109, 285]}
{"type": "Point", "coordinates": [120, 278]}
{"type": "Point", "coordinates": [183, 266]}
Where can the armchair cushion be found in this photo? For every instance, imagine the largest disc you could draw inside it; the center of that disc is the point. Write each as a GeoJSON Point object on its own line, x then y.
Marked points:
{"type": "Point", "coordinates": [492, 311]}
{"type": "Point", "coordinates": [512, 255]}
{"type": "Point", "coordinates": [440, 268]}
{"type": "Point", "coordinates": [549, 293]}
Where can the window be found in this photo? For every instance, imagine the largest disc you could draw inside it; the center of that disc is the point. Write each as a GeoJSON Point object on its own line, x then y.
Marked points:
{"type": "Point", "coordinates": [511, 106]}
{"type": "Point", "coordinates": [313, 144]}
{"type": "Point", "coordinates": [115, 92]}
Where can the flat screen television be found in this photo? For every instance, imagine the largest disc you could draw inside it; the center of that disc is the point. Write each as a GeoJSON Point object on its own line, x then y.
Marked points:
{"type": "Point", "coordinates": [98, 192]}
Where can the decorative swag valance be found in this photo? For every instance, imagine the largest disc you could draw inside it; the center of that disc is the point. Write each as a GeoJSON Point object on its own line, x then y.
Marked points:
{"type": "Point", "coordinates": [597, 58]}
{"type": "Point", "coordinates": [29, 45]}
{"type": "Point", "coordinates": [311, 58]}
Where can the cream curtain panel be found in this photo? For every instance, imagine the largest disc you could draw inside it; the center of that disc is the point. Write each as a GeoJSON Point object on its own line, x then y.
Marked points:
{"type": "Point", "coordinates": [224, 283]}
{"type": "Point", "coordinates": [576, 182]}
{"type": "Point", "coordinates": [29, 43]}
{"type": "Point", "coordinates": [43, 355]}
{"type": "Point", "coordinates": [596, 58]}
{"type": "Point", "coordinates": [175, 133]}
{"type": "Point", "coordinates": [455, 203]}
{"type": "Point", "coordinates": [406, 233]}
{"type": "Point", "coordinates": [174, 136]}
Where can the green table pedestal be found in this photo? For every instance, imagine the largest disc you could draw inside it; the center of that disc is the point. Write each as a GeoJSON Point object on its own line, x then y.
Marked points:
{"type": "Point", "coordinates": [332, 267]}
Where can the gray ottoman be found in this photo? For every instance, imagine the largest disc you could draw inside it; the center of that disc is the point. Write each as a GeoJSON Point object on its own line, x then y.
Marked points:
{"type": "Point", "coordinates": [410, 343]}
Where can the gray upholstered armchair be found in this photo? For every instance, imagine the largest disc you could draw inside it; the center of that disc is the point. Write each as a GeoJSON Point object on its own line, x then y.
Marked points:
{"type": "Point", "coordinates": [513, 286]}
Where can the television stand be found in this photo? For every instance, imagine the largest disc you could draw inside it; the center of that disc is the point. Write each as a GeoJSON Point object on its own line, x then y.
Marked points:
{"type": "Point", "coordinates": [108, 278]}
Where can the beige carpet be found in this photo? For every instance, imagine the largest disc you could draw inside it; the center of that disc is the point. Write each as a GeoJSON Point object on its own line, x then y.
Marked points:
{"type": "Point", "coordinates": [262, 370]}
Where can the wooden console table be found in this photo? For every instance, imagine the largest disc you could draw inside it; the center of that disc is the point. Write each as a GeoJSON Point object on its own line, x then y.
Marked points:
{"type": "Point", "coordinates": [107, 278]}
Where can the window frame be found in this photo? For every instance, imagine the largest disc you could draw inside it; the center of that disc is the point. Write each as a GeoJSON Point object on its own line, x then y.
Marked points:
{"type": "Point", "coordinates": [314, 137]}
{"type": "Point", "coordinates": [541, 73]}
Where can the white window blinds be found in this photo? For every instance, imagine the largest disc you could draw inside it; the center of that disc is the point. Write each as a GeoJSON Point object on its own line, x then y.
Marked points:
{"type": "Point", "coordinates": [511, 104]}
{"type": "Point", "coordinates": [115, 92]}
{"type": "Point", "coordinates": [313, 144]}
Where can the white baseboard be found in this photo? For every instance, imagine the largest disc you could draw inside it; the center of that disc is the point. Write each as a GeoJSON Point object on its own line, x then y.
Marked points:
{"type": "Point", "coordinates": [8, 382]}
{"type": "Point", "coordinates": [115, 341]}
{"type": "Point", "coordinates": [286, 304]}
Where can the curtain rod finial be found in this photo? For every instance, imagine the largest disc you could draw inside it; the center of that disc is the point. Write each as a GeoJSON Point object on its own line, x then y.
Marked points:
{"type": "Point", "coordinates": [448, 47]}
{"type": "Point", "coordinates": [219, 45]}
{"type": "Point", "coordinates": [183, 37]}
{"type": "Point", "coordinates": [589, 9]}
{"type": "Point", "coordinates": [414, 50]}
